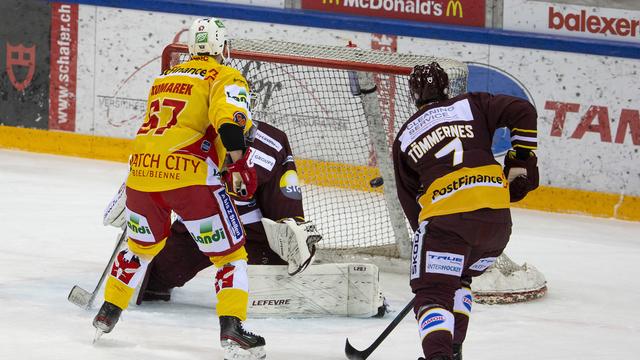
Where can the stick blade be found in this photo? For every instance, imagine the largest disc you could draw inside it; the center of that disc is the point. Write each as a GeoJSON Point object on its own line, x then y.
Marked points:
{"type": "Point", "coordinates": [80, 297]}
{"type": "Point", "coordinates": [352, 353]}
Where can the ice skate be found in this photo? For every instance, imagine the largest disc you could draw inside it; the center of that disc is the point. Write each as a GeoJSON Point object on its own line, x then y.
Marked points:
{"type": "Point", "coordinates": [457, 351]}
{"type": "Point", "coordinates": [239, 344]}
{"type": "Point", "coordinates": [106, 319]}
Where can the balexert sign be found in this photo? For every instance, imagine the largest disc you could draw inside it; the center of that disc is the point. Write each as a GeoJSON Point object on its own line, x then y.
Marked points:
{"type": "Point", "coordinates": [572, 20]}
{"type": "Point", "coordinates": [461, 12]}
{"type": "Point", "coordinates": [583, 22]}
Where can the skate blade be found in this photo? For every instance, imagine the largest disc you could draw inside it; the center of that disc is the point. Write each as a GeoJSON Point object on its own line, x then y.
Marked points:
{"type": "Point", "coordinates": [97, 335]}
{"type": "Point", "coordinates": [233, 351]}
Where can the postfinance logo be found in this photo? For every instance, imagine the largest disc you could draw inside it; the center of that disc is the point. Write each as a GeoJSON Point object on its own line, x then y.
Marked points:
{"type": "Point", "coordinates": [454, 7]}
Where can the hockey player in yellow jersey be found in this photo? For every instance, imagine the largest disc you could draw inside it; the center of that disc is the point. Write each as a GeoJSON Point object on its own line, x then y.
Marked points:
{"type": "Point", "coordinates": [189, 156]}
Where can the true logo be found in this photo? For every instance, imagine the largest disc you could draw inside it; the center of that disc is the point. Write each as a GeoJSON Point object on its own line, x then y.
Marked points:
{"type": "Point", "coordinates": [20, 56]}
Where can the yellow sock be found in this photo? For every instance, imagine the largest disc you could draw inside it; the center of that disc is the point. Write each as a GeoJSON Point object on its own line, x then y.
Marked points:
{"type": "Point", "coordinates": [117, 293]}
{"type": "Point", "coordinates": [233, 302]}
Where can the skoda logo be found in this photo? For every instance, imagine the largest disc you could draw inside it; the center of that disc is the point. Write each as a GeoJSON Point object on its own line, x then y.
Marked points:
{"type": "Point", "coordinates": [487, 78]}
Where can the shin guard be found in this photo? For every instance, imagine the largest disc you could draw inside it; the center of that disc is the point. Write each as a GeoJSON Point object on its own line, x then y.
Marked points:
{"type": "Point", "coordinates": [126, 273]}
{"type": "Point", "coordinates": [232, 289]}
{"type": "Point", "coordinates": [462, 303]}
{"type": "Point", "coordinates": [435, 325]}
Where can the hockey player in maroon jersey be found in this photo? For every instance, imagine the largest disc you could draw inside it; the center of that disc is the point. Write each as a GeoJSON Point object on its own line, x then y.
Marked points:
{"type": "Point", "coordinates": [457, 197]}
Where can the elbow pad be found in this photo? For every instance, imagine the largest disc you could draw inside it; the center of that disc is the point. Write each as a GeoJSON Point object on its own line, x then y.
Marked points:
{"type": "Point", "coordinates": [232, 137]}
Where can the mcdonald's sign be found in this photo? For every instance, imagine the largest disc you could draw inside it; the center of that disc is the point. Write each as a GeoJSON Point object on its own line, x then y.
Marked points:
{"type": "Point", "coordinates": [459, 12]}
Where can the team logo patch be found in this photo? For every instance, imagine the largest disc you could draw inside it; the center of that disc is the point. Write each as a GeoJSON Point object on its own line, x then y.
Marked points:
{"type": "Point", "coordinates": [444, 263]}
{"type": "Point", "coordinates": [482, 264]}
{"type": "Point", "coordinates": [290, 186]}
{"type": "Point", "coordinates": [205, 146]}
{"type": "Point", "coordinates": [202, 37]}
{"type": "Point", "coordinates": [138, 227]}
{"type": "Point", "coordinates": [224, 278]}
{"type": "Point", "coordinates": [240, 118]}
{"type": "Point", "coordinates": [125, 266]}
{"type": "Point", "coordinates": [20, 56]}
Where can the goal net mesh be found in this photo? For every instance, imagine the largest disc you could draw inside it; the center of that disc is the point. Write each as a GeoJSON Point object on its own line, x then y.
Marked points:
{"type": "Point", "coordinates": [308, 92]}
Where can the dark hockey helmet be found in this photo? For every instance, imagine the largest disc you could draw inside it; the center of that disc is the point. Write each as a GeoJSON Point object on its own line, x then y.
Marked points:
{"type": "Point", "coordinates": [428, 83]}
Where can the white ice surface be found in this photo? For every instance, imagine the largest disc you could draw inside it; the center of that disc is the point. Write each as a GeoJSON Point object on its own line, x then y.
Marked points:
{"type": "Point", "coordinates": [52, 238]}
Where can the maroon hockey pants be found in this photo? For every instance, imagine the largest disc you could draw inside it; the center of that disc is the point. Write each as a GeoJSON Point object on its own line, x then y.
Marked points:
{"type": "Point", "coordinates": [447, 252]}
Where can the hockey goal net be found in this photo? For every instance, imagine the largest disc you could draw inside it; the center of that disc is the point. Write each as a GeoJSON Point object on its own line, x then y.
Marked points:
{"type": "Point", "coordinates": [340, 108]}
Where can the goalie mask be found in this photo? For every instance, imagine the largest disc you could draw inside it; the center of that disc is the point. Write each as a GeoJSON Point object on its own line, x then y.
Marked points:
{"type": "Point", "coordinates": [207, 36]}
{"type": "Point", "coordinates": [428, 83]}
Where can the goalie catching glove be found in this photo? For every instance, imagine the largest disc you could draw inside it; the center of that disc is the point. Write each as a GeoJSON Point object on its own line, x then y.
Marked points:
{"type": "Point", "coordinates": [521, 170]}
{"type": "Point", "coordinates": [294, 242]}
{"type": "Point", "coordinates": [240, 177]}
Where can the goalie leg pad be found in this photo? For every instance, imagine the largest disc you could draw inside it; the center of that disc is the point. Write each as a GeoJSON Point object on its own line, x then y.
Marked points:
{"type": "Point", "coordinates": [322, 290]}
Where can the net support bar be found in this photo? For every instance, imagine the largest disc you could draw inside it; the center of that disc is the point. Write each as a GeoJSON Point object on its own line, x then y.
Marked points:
{"type": "Point", "coordinates": [376, 125]}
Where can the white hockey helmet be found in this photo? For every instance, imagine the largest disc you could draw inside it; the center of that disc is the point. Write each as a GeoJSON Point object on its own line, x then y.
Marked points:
{"type": "Point", "coordinates": [207, 36]}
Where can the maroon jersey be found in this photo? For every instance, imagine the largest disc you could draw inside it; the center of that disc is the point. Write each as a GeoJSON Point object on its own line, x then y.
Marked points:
{"type": "Point", "coordinates": [278, 195]}
{"type": "Point", "coordinates": [442, 155]}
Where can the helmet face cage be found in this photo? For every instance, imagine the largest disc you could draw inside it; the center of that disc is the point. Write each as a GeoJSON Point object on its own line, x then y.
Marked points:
{"type": "Point", "coordinates": [428, 83]}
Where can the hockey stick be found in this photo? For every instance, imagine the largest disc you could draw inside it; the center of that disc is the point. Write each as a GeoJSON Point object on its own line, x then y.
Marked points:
{"type": "Point", "coordinates": [82, 297]}
{"type": "Point", "coordinates": [354, 354]}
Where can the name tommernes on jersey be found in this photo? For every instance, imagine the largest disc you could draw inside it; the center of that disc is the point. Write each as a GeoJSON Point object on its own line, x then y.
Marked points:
{"type": "Point", "coordinates": [424, 132]}
{"type": "Point", "coordinates": [418, 148]}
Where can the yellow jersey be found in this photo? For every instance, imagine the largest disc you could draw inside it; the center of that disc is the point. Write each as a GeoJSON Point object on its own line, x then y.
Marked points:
{"type": "Point", "coordinates": [178, 144]}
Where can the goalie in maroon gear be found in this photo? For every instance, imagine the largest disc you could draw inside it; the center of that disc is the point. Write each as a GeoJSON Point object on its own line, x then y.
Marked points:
{"type": "Point", "coordinates": [457, 197]}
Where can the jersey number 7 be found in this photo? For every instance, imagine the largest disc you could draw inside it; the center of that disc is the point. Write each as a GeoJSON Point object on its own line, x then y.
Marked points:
{"type": "Point", "coordinates": [153, 121]}
{"type": "Point", "coordinates": [454, 146]}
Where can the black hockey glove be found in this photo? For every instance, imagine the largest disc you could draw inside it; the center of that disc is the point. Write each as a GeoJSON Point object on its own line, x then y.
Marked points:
{"type": "Point", "coordinates": [521, 170]}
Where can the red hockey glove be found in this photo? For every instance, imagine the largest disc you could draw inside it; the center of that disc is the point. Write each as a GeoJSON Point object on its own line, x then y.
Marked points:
{"type": "Point", "coordinates": [240, 178]}
{"type": "Point", "coordinates": [522, 173]}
